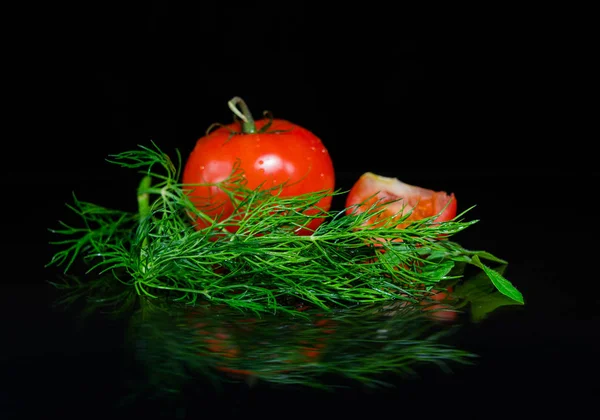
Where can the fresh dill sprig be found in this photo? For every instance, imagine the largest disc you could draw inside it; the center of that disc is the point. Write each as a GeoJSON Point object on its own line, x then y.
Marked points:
{"type": "Point", "coordinates": [263, 266]}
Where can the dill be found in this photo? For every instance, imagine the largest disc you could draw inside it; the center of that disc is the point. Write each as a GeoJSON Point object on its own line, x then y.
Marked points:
{"type": "Point", "coordinates": [263, 266]}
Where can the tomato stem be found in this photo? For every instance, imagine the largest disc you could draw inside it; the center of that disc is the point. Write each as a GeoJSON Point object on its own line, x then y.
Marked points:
{"type": "Point", "coordinates": [248, 125]}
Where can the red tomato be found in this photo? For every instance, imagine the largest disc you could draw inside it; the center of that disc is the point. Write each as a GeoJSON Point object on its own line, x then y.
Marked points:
{"type": "Point", "coordinates": [423, 202]}
{"type": "Point", "coordinates": [268, 154]}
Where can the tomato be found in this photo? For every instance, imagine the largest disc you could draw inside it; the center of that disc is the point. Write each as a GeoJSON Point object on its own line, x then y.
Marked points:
{"type": "Point", "coordinates": [270, 152]}
{"type": "Point", "coordinates": [421, 201]}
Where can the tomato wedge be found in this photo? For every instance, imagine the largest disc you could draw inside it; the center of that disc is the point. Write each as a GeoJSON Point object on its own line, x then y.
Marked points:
{"type": "Point", "coordinates": [402, 198]}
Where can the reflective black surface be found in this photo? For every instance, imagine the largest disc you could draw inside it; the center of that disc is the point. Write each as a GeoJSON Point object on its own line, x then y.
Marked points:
{"type": "Point", "coordinates": [157, 73]}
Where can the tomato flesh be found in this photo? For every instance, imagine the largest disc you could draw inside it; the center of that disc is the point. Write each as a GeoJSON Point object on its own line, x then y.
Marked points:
{"type": "Point", "coordinates": [420, 202]}
{"type": "Point", "coordinates": [285, 153]}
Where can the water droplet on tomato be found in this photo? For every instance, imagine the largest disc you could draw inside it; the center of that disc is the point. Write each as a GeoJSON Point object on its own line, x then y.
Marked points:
{"type": "Point", "coordinates": [313, 148]}
{"type": "Point", "coordinates": [323, 150]}
{"type": "Point", "coordinates": [202, 167]}
{"type": "Point", "coordinates": [260, 162]}
{"type": "Point", "coordinates": [322, 175]}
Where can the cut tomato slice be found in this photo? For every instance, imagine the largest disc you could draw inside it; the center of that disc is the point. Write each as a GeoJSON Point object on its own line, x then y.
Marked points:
{"type": "Point", "coordinates": [401, 199]}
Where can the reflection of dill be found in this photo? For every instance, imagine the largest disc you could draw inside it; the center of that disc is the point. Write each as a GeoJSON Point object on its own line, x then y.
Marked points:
{"type": "Point", "coordinates": [363, 344]}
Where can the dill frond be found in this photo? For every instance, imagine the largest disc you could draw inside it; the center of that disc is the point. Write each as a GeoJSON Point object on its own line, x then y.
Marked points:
{"type": "Point", "coordinates": [263, 266]}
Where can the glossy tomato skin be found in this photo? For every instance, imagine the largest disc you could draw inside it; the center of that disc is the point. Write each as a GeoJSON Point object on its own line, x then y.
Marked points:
{"type": "Point", "coordinates": [423, 202]}
{"type": "Point", "coordinates": [285, 152]}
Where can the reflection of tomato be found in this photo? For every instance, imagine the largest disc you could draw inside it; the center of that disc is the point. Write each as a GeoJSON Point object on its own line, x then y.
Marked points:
{"type": "Point", "coordinates": [268, 154]}
{"type": "Point", "coordinates": [442, 311]}
{"type": "Point", "coordinates": [422, 202]}
{"type": "Point", "coordinates": [233, 341]}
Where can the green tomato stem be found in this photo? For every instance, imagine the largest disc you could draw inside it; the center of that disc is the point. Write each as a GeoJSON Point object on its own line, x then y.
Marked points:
{"type": "Point", "coordinates": [248, 125]}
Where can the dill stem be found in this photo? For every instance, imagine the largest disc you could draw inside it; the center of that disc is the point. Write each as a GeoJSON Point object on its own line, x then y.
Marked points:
{"type": "Point", "coordinates": [143, 197]}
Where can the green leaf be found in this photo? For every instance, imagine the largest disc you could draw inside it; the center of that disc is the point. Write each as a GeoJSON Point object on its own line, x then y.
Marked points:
{"type": "Point", "coordinates": [482, 295]}
{"type": "Point", "coordinates": [477, 285]}
{"type": "Point", "coordinates": [503, 285]}
{"type": "Point", "coordinates": [467, 256]}
{"type": "Point", "coordinates": [437, 272]}
{"type": "Point", "coordinates": [487, 256]}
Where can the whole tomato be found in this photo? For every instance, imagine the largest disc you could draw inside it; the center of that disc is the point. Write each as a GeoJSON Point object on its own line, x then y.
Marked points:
{"type": "Point", "coordinates": [270, 152]}
{"type": "Point", "coordinates": [401, 199]}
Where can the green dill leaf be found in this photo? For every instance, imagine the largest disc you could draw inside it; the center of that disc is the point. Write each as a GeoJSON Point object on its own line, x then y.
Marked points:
{"type": "Point", "coordinates": [502, 284]}
{"type": "Point", "coordinates": [486, 255]}
{"type": "Point", "coordinates": [439, 271]}
{"type": "Point", "coordinates": [481, 294]}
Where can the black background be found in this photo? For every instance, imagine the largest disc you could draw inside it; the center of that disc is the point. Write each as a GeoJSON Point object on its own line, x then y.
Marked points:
{"type": "Point", "coordinates": [470, 114]}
